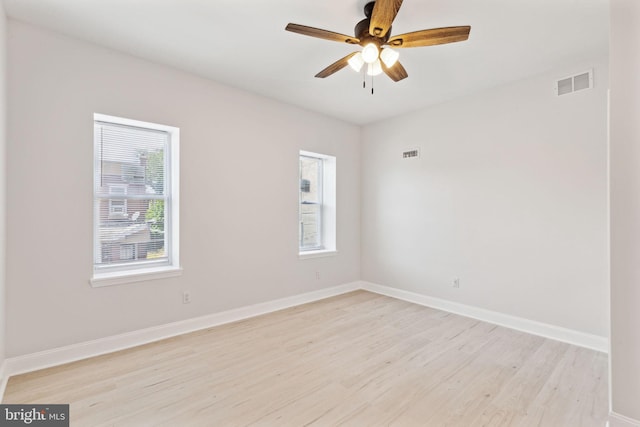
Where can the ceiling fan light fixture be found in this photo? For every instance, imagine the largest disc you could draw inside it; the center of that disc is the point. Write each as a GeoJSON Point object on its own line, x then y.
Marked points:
{"type": "Point", "coordinates": [375, 68]}
{"type": "Point", "coordinates": [389, 57]}
{"type": "Point", "coordinates": [356, 62]}
{"type": "Point", "coordinates": [370, 53]}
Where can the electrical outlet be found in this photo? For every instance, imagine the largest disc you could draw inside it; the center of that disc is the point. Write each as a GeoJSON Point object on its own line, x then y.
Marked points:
{"type": "Point", "coordinates": [455, 283]}
{"type": "Point", "coordinates": [317, 275]}
{"type": "Point", "coordinates": [186, 297]}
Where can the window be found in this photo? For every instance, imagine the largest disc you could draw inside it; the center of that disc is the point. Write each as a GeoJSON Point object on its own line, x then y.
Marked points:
{"type": "Point", "coordinates": [317, 204]}
{"type": "Point", "coordinates": [135, 200]}
{"type": "Point", "coordinates": [117, 206]}
{"type": "Point", "coordinates": [127, 251]}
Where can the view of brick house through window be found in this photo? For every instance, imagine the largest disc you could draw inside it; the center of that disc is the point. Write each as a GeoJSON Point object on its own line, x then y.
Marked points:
{"type": "Point", "coordinates": [132, 196]}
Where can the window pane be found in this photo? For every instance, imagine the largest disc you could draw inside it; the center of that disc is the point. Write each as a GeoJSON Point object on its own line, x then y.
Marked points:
{"type": "Point", "coordinates": [127, 252]}
{"type": "Point", "coordinates": [143, 226]}
{"type": "Point", "coordinates": [117, 207]}
{"type": "Point", "coordinates": [310, 237]}
{"type": "Point", "coordinates": [310, 203]}
{"type": "Point", "coordinates": [310, 179]}
{"type": "Point", "coordinates": [130, 194]}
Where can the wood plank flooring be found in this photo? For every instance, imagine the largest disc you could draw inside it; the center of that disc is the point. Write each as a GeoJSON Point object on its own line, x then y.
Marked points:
{"type": "Point", "coordinates": [358, 359]}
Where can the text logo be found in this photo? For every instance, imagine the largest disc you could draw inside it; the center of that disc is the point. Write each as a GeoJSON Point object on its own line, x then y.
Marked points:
{"type": "Point", "coordinates": [34, 415]}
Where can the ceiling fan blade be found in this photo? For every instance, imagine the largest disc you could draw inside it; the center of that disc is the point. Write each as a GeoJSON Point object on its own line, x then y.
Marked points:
{"type": "Point", "coordinates": [396, 71]}
{"type": "Point", "coordinates": [321, 34]}
{"type": "Point", "coordinates": [384, 12]}
{"type": "Point", "coordinates": [335, 67]}
{"type": "Point", "coordinates": [430, 37]}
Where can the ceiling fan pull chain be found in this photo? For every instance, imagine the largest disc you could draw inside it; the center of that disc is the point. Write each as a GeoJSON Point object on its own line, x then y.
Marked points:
{"type": "Point", "coordinates": [364, 78]}
{"type": "Point", "coordinates": [371, 85]}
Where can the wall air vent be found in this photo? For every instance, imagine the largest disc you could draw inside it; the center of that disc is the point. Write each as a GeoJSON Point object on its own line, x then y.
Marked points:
{"type": "Point", "coordinates": [574, 83]}
{"type": "Point", "coordinates": [415, 152]}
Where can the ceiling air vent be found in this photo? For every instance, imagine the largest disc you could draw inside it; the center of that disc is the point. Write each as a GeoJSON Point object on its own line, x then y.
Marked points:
{"type": "Point", "coordinates": [415, 152]}
{"type": "Point", "coordinates": [574, 83]}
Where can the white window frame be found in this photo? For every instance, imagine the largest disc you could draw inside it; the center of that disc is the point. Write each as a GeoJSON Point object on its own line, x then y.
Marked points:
{"type": "Point", "coordinates": [144, 270]}
{"type": "Point", "coordinates": [328, 207]}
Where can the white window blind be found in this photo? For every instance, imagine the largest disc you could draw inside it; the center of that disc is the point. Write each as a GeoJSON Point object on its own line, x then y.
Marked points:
{"type": "Point", "coordinates": [132, 197]}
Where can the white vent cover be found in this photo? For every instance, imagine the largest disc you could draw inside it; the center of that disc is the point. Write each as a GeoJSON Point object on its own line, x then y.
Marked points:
{"type": "Point", "coordinates": [414, 152]}
{"type": "Point", "coordinates": [574, 83]}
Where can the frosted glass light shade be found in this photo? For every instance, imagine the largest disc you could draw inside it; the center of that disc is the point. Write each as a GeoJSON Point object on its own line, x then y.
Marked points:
{"type": "Point", "coordinates": [374, 69]}
{"type": "Point", "coordinates": [356, 62]}
{"type": "Point", "coordinates": [370, 53]}
{"type": "Point", "coordinates": [389, 57]}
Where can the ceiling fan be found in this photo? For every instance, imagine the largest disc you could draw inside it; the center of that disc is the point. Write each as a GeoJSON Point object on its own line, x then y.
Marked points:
{"type": "Point", "coordinates": [374, 35]}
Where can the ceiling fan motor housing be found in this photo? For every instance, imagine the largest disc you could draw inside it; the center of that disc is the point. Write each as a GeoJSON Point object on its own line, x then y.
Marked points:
{"type": "Point", "coordinates": [368, 9]}
{"type": "Point", "coordinates": [361, 31]}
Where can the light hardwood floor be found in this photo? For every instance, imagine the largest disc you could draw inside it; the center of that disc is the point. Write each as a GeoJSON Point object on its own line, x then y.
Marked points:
{"type": "Point", "coordinates": [359, 359]}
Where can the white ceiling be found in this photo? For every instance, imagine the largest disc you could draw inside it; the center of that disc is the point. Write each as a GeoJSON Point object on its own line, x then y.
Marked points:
{"type": "Point", "coordinates": [242, 43]}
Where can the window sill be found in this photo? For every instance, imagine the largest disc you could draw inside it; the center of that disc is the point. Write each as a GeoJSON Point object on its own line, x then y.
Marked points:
{"type": "Point", "coordinates": [317, 254]}
{"type": "Point", "coordinates": [121, 277]}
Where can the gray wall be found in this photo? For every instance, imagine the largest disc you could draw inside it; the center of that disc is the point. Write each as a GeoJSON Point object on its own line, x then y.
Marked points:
{"type": "Point", "coordinates": [625, 207]}
{"type": "Point", "coordinates": [3, 184]}
{"type": "Point", "coordinates": [509, 195]}
{"type": "Point", "coordinates": [239, 193]}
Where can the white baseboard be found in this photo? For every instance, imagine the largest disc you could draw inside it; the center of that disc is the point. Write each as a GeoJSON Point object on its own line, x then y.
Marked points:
{"type": "Point", "coordinates": [557, 333]}
{"type": "Point", "coordinates": [617, 420]}
{"type": "Point", "coordinates": [58, 356]}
